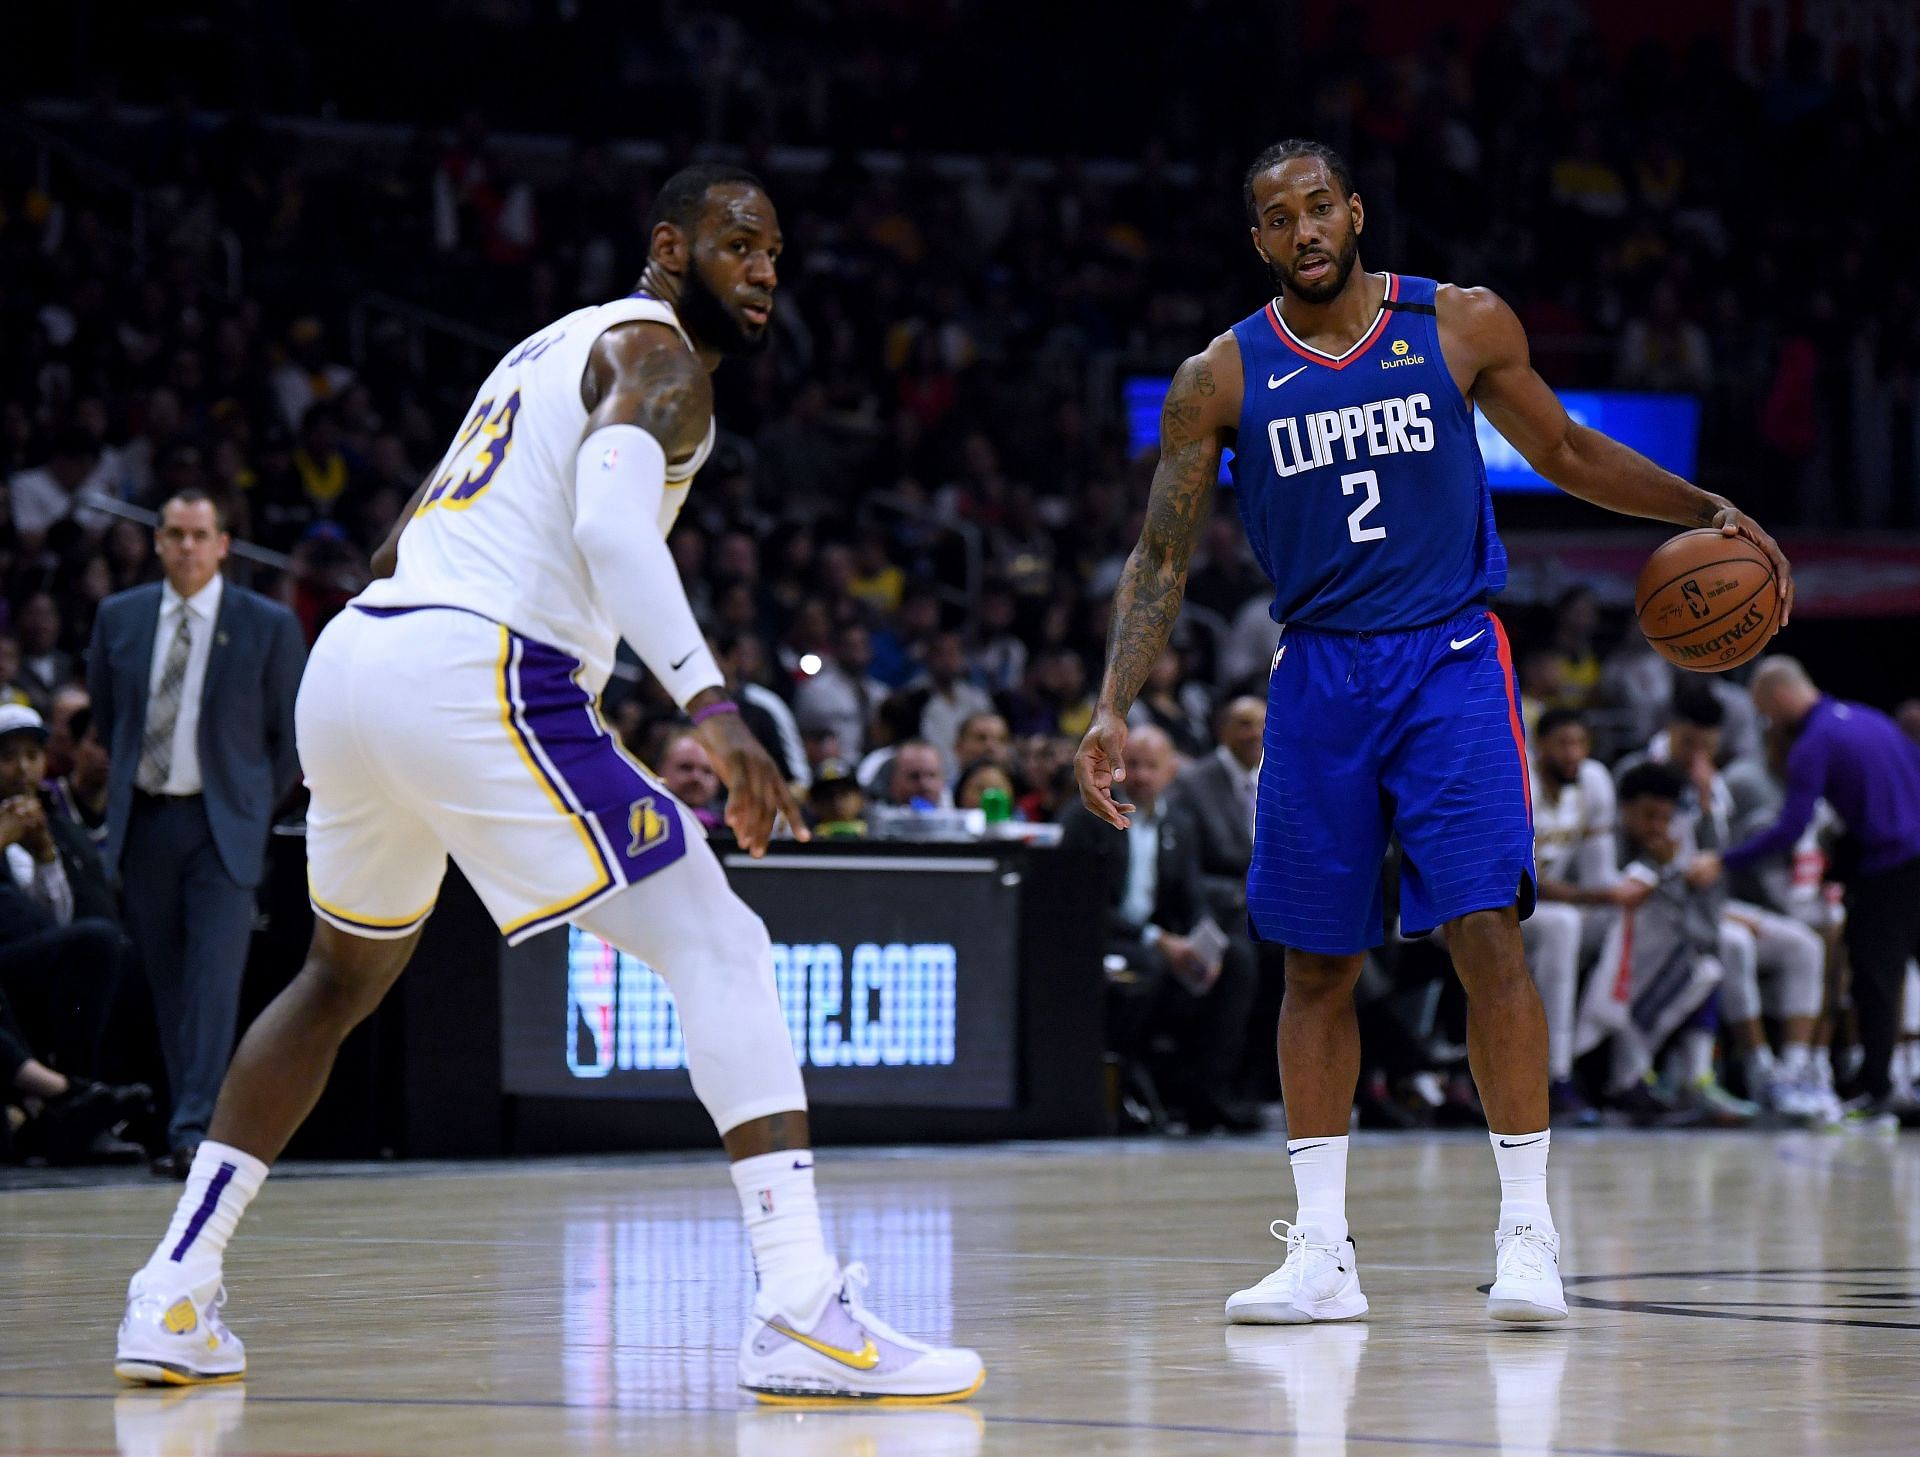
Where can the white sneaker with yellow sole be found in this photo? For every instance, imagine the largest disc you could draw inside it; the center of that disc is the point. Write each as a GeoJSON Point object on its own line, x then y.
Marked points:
{"type": "Point", "coordinates": [173, 1335]}
{"type": "Point", "coordinates": [844, 1352]}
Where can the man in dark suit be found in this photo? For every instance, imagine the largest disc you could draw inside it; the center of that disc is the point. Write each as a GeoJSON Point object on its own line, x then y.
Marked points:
{"type": "Point", "coordinates": [1174, 974]}
{"type": "Point", "coordinates": [1218, 793]}
{"type": "Point", "coordinates": [193, 683]}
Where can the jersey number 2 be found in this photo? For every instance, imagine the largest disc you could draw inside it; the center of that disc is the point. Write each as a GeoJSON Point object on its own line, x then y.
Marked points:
{"type": "Point", "coordinates": [1359, 513]}
{"type": "Point", "coordinates": [480, 451]}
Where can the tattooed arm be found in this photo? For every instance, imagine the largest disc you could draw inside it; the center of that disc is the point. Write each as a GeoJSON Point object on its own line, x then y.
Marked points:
{"type": "Point", "coordinates": [1486, 348]}
{"type": "Point", "coordinates": [1203, 404]}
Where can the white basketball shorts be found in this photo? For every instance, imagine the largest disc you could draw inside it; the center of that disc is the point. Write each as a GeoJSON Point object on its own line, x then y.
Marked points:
{"type": "Point", "coordinates": [430, 731]}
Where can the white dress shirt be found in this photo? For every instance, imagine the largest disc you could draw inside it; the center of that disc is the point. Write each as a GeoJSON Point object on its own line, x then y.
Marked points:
{"type": "Point", "coordinates": [1143, 870]}
{"type": "Point", "coordinates": [203, 611]}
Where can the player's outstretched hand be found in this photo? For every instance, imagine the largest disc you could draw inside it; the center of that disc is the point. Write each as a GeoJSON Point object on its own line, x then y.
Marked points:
{"type": "Point", "coordinates": [1098, 765]}
{"type": "Point", "coordinates": [1732, 521]}
{"type": "Point", "coordinates": [758, 795]}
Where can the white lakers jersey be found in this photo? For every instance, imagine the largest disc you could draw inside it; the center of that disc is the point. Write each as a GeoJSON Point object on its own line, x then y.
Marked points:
{"type": "Point", "coordinates": [494, 532]}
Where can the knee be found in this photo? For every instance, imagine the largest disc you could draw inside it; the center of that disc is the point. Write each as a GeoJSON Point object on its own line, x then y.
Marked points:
{"type": "Point", "coordinates": [1312, 975]}
{"type": "Point", "coordinates": [337, 995]}
{"type": "Point", "coordinates": [1487, 951]}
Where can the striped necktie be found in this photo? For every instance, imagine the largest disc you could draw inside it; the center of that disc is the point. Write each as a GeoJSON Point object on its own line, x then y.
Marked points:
{"type": "Point", "coordinates": [163, 710]}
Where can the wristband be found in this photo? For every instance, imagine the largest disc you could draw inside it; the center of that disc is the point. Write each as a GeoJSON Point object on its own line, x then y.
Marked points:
{"type": "Point", "coordinates": [725, 705]}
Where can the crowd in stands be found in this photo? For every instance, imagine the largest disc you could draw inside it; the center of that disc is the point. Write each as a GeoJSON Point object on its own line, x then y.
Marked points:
{"type": "Point", "coordinates": [905, 545]}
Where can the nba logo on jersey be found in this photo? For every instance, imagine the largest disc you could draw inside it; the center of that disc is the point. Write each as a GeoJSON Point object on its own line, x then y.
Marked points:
{"type": "Point", "coordinates": [646, 825]}
{"type": "Point", "coordinates": [611, 459]}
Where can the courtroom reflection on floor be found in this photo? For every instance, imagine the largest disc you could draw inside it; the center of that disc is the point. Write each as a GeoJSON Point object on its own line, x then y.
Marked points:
{"type": "Point", "coordinates": [1528, 1367]}
{"type": "Point", "coordinates": [198, 1422]}
{"type": "Point", "coordinates": [956, 1431]}
{"type": "Point", "coordinates": [1317, 1366]}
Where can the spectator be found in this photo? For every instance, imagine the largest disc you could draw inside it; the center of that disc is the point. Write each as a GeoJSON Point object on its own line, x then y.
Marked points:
{"type": "Point", "coordinates": [835, 804]}
{"type": "Point", "coordinates": [951, 698]}
{"type": "Point", "coordinates": [743, 658]}
{"type": "Point", "coordinates": [79, 796]}
{"type": "Point", "coordinates": [193, 685]}
{"type": "Point", "coordinates": [307, 376]}
{"type": "Point", "coordinates": [1576, 627]}
{"type": "Point", "coordinates": [1219, 792]}
{"type": "Point", "coordinates": [1173, 972]}
{"type": "Point", "coordinates": [44, 665]}
{"type": "Point", "coordinates": [1172, 702]}
{"type": "Point", "coordinates": [41, 499]}
{"type": "Point", "coordinates": [68, 700]}
{"type": "Point", "coordinates": [984, 736]}
{"type": "Point", "coordinates": [1664, 350]}
{"type": "Point", "coordinates": [61, 952]}
{"type": "Point", "coordinates": [1857, 759]}
{"type": "Point", "coordinates": [1907, 715]}
{"type": "Point", "coordinates": [916, 777]}
{"type": "Point", "coordinates": [687, 772]}
{"type": "Point", "coordinates": [840, 699]}
{"type": "Point", "coordinates": [977, 778]}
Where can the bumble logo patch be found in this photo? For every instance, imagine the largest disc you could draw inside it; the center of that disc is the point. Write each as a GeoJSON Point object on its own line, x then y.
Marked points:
{"type": "Point", "coordinates": [181, 1318]}
{"type": "Point", "coordinates": [1399, 346]}
{"type": "Point", "coordinates": [646, 825]}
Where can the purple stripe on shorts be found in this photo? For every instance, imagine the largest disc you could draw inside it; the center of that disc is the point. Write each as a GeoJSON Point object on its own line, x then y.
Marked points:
{"type": "Point", "coordinates": [637, 815]}
{"type": "Point", "coordinates": [208, 1203]}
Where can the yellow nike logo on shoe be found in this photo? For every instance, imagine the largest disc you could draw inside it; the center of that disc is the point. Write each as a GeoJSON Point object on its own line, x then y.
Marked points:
{"type": "Point", "coordinates": [181, 1318]}
{"type": "Point", "coordinates": [864, 1359]}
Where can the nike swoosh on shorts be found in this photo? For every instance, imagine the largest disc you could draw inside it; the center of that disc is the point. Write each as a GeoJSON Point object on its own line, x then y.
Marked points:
{"type": "Point", "coordinates": [1460, 642]}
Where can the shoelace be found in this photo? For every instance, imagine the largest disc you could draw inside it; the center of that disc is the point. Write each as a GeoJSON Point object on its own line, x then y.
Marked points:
{"type": "Point", "coordinates": [1531, 1251]}
{"type": "Point", "coordinates": [1295, 1239]}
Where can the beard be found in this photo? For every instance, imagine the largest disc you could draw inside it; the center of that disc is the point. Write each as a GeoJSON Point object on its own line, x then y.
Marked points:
{"type": "Point", "coordinates": [709, 320]}
{"type": "Point", "coordinates": [1328, 287]}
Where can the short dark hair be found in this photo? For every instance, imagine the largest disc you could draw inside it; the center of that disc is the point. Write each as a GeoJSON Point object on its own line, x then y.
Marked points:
{"type": "Point", "coordinates": [1698, 705]}
{"type": "Point", "coordinates": [79, 722]}
{"type": "Point", "coordinates": [190, 495]}
{"type": "Point", "coordinates": [1558, 718]}
{"type": "Point", "coordinates": [1286, 151]}
{"type": "Point", "coordinates": [1651, 781]}
{"type": "Point", "coordinates": [682, 195]}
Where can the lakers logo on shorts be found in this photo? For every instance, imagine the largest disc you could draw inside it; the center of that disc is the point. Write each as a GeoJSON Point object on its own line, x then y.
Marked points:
{"type": "Point", "coordinates": [646, 825]}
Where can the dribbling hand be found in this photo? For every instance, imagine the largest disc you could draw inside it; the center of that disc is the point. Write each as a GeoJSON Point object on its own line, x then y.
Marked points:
{"type": "Point", "coordinates": [1732, 521]}
{"type": "Point", "coordinates": [1098, 766]}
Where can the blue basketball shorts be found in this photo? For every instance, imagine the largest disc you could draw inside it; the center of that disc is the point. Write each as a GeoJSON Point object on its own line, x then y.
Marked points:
{"type": "Point", "coordinates": [1414, 733]}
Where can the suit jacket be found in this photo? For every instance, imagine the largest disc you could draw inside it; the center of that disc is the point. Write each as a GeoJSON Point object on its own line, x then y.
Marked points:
{"type": "Point", "coordinates": [22, 916]}
{"type": "Point", "coordinates": [247, 757]}
{"type": "Point", "coordinates": [1225, 835]}
{"type": "Point", "coordinates": [1178, 902]}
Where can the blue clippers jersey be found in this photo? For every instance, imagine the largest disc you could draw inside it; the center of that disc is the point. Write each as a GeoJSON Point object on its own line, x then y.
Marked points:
{"type": "Point", "coordinates": [1359, 478]}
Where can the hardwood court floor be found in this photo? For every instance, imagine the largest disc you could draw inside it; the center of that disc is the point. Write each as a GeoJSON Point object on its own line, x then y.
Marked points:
{"type": "Point", "coordinates": [1734, 1294]}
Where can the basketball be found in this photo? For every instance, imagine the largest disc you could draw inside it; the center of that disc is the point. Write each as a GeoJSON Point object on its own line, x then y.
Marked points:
{"type": "Point", "coordinates": [1707, 601]}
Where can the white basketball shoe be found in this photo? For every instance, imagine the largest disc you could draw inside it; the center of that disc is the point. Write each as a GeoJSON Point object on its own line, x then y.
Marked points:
{"type": "Point", "coordinates": [173, 1335]}
{"type": "Point", "coordinates": [847, 1353]}
{"type": "Point", "coordinates": [1526, 1275]}
{"type": "Point", "coordinates": [1319, 1280]}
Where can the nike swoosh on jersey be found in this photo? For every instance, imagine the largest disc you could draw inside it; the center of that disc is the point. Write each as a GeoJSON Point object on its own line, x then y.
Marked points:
{"type": "Point", "coordinates": [1455, 643]}
{"type": "Point", "coordinates": [677, 666]}
{"type": "Point", "coordinates": [864, 1359]}
{"type": "Point", "coordinates": [1274, 384]}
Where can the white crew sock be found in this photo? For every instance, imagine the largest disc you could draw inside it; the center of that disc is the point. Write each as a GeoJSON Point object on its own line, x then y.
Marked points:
{"type": "Point", "coordinates": [220, 1186]}
{"type": "Point", "coordinates": [783, 1225]}
{"type": "Point", "coordinates": [1761, 1069]}
{"type": "Point", "coordinates": [1320, 1183]}
{"type": "Point", "coordinates": [1796, 1062]}
{"type": "Point", "coordinates": [1522, 1161]}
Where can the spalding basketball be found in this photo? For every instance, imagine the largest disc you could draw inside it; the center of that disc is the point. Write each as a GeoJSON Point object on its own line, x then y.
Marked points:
{"type": "Point", "coordinates": [1707, 601]}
